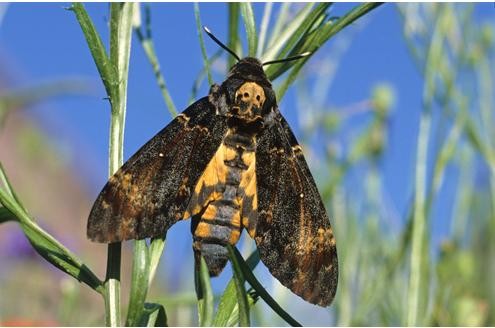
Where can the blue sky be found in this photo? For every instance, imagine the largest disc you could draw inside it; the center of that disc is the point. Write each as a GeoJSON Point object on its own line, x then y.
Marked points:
{"type": "Point", "coordinates": [43, 42]}
{"type": "Point", "coordinates": [51, 46]}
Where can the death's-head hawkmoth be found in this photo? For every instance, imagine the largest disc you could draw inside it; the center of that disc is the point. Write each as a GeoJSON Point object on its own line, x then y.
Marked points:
{"type": "Point", "coordinates": [229, 162]}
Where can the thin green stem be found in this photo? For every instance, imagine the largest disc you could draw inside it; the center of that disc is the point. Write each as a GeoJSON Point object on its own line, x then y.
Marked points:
{"type": "Point", "coordinates": [289, 31]}
{"type": "Point", "coordinates": [279, 23]}
{"type": "Point", "coordinates": [120, 49]}
{"type": "Point", "coordinates": [239, 281]}
{"type": "Point", "coordinates": [248, 275]}
{"type": "Point", "coordinates": [112, 286]}
{"type": "Point", "coordinates": [148, 45]}
{"type": "Point", "coordinates": [204, 293]}
{"type": "Point", "coordinates": [420, 200]}
{"type": "Point", "coordinates": [263, 28]}
{"type": "Point", "coordinates": [250, 26]}
{"type": "Point", "coordinates": [419, 219]}
{"type": "Point", "coordinates": [314, 41]}
{"type": "Point", "coordinates": [199, 28]}
{"type": "Point", "coordinates": [233, 35]}
{"type": "Point", "coordinates": [139, 285]}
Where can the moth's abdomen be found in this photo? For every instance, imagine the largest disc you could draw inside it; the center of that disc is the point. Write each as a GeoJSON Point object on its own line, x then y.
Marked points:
{"type": "Point", "coordinates": [218, 226]}
{"type": "Point", "coordinates": [217, 202]}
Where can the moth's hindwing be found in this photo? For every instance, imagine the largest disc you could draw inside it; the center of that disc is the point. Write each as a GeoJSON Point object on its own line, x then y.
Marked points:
{"type": "Point", "coordinates": [293, 231]}
{"type": "Point", "coordinates": [150, 192]}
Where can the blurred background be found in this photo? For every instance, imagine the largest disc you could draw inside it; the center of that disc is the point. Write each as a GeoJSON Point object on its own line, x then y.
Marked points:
{"type": "Point", "coordinates": [396, 116]}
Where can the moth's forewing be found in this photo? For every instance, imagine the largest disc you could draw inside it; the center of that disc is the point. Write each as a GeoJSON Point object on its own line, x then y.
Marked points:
{"type": "Point", "coordinates": [151, 190]}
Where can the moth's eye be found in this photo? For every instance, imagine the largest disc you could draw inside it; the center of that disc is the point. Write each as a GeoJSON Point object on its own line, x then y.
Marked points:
{"type": "Point", "coordinates": [258, 97]}
{"type": "Point", "coordinates": [246, 95]}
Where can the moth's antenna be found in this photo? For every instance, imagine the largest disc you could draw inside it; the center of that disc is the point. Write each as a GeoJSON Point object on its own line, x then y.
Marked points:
{"type": "Point", "coordinates": [305, 54]}
{"type": "Point", "coordinates": [220, 43]}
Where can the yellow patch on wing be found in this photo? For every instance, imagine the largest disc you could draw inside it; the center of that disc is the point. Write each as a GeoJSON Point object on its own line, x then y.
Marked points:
{"type": "Point", "coordinates": [214, 174]}
{"type": "Point", "coordinates": [248, 186]}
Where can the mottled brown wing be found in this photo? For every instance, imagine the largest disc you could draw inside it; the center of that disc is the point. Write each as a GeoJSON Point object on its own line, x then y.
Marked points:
{"type": "Point", "coordinates": [293, 231]}
{"type": "Point", "coordinates": [152, 189]}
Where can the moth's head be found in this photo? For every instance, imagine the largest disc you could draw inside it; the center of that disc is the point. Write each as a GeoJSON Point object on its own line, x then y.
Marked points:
{"type": "Point", "coordinates": [248, 89]}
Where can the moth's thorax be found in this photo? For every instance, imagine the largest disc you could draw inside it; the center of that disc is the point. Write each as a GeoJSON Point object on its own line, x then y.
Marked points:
{"type": "Point", "coordinates": [248, 101]}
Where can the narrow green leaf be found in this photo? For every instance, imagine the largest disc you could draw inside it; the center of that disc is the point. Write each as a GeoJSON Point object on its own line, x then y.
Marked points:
{"type": "Point", "coordinates": [292, 35]}
{"type": "Point", "coordinates": [228, 310]}
{"type": "Point", "coordinates": [4, 181]}
{"type": "Point", "coordinates": [233, 35]}
{"type": "Point", "coordinates": [139, 283]}
{"type": "Point", "coordinates": [282, 16]}
{"type": "Point", "coordinates": [148, 45]}
{"type": "Point", "coordinates": [204, 294]}
{"type": "Point", "coordinates": [47, 246]}
{"type": "Point", "coordinates": [154, 315]}
{"type": "Point", "coordinates": [474, 138]}
{"type": "Point", "coordinates": [316, 39]}
{"type": "Point", "coordinates": [265, 21]}
{"type": "Point", "coordinates": [108, 72]}
{"type": "Point", "coordinates": [251, 279]}
{"type": "Point", "coordinates": [250, 26]}
{"type": "Point", "coordinates": [155, 252]}
{"type": "Point", "coordinates": [6, 215]}
{"type": "Point", "coordinates": [239, 285]}
{"type": "Point", "coordinates": [293, 31]}
{"type": "Point", "coordinates": [419, 220]}
{"type": "Point", "coordinates": [448, 149]}
{"type": "Point", "coordinates": [226, 306]}
{"type": "Point", "coordinates": [199, 28]}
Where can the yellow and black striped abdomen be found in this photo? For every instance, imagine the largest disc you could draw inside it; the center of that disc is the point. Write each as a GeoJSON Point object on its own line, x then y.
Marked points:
{"type": "Point", "coordinates": [217, 204]}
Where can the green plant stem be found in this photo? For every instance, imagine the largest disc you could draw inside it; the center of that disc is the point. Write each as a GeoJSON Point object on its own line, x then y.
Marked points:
{"type": "Point", "coordinates": [233, 35]}
{"type": "Point", "coordinates": [420, 200]}
{"type": "Point", "coordinates": [279, 22]}
{"type": "Point", "coordinates": [315, 41]}
{"type": "Point", "coordinates": [239, 280]}
{"type": "Point", "coordinates": [199, 29]}
{"type": "Point", "coordinates": [148, 45]}
{"type": "Point", "coordinates": [121, 15]}
{"type": "Point", "coordinates": [139, 286]}
{"type": "Point", "coordinates": [290, 31]}
{"type": "Point", "coordinates": [263, 28]}
{"type": "Point", "coordinates": [204, 293]}
{"type": "Point", "coordinates": [248, 275]}
{"type": "Point", "coordinates": [419, 220]}
{"type": "Point", "coordinates": [112, 278]}
{"type": "Point", "coordinates": [485, 81]}
{"type": "Point", "coordinates": [112, 285]}
{"type": "Point", "coordinates": [250, 26]}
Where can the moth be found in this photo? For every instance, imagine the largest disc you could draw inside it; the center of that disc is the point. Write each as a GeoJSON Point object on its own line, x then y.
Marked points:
{"type": "Point", "coordinates": [229, 162]}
